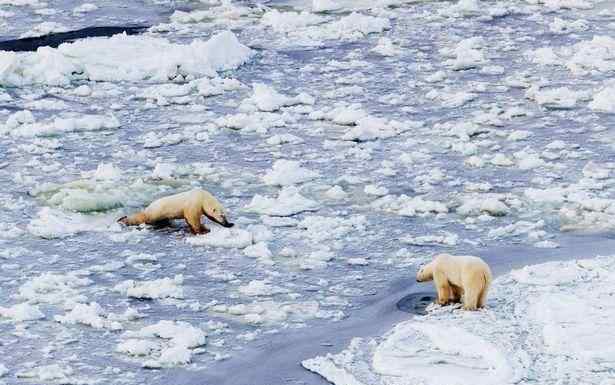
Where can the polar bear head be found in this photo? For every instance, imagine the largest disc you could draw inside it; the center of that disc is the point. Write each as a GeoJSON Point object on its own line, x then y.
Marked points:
{"type": "Point", "coordinates": [425, 273]}
{"type": "Point", "coordinates": [214, 211]}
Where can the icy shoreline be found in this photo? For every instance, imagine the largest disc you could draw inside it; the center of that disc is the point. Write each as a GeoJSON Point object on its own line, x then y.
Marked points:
{"type": "Point", "coordinates": [376, 316]}
{"type": "Point", "coordinates": [543, 322]}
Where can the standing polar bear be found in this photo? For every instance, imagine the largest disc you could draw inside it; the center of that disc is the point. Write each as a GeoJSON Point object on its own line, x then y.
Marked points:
{"type": "Point", "coordinates": [458, 275]}
{"type": "Point", "coordinates": [189, 205]}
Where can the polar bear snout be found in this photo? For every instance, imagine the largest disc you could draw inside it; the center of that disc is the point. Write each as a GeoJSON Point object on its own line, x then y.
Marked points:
{"type": "Point", "coordinates": [219, 219]}
{"type": "Point", "coordinates": [425, 273]}
{"type": "Point", "coordinates": [226, 223]}
{"type": "Point", "coordinates": [420, 275]}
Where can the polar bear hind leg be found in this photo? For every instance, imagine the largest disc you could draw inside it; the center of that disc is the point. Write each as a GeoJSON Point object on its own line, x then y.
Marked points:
{"type": "Point", "coordinates": [482, 300]}
{"type": "Point", "coordinates": [456, 294]}
{"type": "Point", "coordinates": [473, 288]}
{"type": "Point", "coordinates": [470, 299]}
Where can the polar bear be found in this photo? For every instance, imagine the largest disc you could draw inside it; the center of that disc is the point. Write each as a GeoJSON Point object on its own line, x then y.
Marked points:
{"type": "Point", "coordinates": [189, 205]}
{"type": "Point", "coordinates": [458, 275]}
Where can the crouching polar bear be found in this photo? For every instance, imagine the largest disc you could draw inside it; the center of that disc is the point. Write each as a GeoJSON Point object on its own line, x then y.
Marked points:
{"type": "Point", "coordinates": [458, 275]}
{"type": "Point", "coordinates": [189, 205]}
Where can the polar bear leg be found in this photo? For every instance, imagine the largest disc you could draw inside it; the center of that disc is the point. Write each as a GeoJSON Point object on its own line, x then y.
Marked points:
{"type": "Point", "coordinates": [442, 287]}
{"type": "Point", "coordinates": [471, 295]}
{"type": "Point", "coordinates": [456, 293]}
{"type": "Point", "coordinates": [194, 221]}
{"type": "Point", "coordinates": [482, 300]}
{"type": "Point", "coordinates": [443, 294]}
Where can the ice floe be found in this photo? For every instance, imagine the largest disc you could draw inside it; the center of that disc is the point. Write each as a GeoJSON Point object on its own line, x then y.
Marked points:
{"type": "Point", "coordinates": [164, 344]}
{"type": "Point", "coordinates": [22, 312]}
{"type": "Point", "coordinates": [540, 323]}
{"type": "Point", "coordinates": [289, 202]}
{"type": "Point", "coordinates": [156, 289]}
{"type": "Point", "coordinates": [104, 59]}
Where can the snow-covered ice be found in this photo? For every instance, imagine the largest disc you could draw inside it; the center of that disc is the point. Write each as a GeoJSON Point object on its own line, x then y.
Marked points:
{"type": "Point", "coordinates": [542, 323]}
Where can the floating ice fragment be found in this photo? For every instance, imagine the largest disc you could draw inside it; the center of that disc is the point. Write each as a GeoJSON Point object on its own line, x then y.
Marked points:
{"type": "Point", "coordinates": [267, 99]}
{"type": "Point", "coordinates": [88, 314]}
{"type": "Point", "coordinates": [234, 238]}
{"type": "Point", "coordinates": [22, 312]}
{"type": "Point", "coordinates": [155, 289]}
{"type": "Point", "coordinates": [288, 202]}
{"type": "Point", "coordinates": [123, 58]}
{"type": "Point", "coordinates": [288, 172]}
{"type": "Point", "coordinates": [604, 100]}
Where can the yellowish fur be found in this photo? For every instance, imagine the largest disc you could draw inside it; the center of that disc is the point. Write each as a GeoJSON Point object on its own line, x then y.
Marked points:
{"type": "Point", "coordinates": [189, 205]}
{"type": "Point", "coordinates": [457, 277]}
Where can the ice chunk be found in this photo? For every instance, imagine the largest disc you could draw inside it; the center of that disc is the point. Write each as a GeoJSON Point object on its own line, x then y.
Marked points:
{"type": "Point", "coordinates": [267, 99]}
{"type": "Point", "coordinates": [46, 373]}
{"type": "Point", "coordinates": [85, 8]}
{"type": "Point", "coordinates": [467, 54]}
{"type": "Point", "coordinates": [336, 192]}
{"type": "Point", "coordinates": [407, 206]}
{"type": "Point", "coordinates": [479, 205]}
{"type": "Point", "coordinates": [320, 228]}
{"type": "Point", "coordinates": [290, 21]}
{"type": "Point", "coordinates": [544, 56]}
{"type": "Point", "coordinates": [158, 288]}
{"type": "Point", "coordinates": [44, 28]}
{"type": "Point", "coordinates": [54, 289]}
{"type": "Point", "coordinates": [565, 4]}
{"type": "Point", "coordinates": [22, 312]}
{"type": "Point", "coordinates": [351, 27]}
{"type": "Point", "coordinates": [561, 26]}
{"type": "Point", "coordinates": [386, 47]}
{"type": "Point", "coordinates": [371, 128]}
{"type": "Point", "coordinates": [123, 58]}
{"type": "Point", "coordinates": [88, 314]}
{"type": "Point", "coordinates": [60, 125]}
{"type": "Point", "coordinates": [258, 250]}
{"type": "Point", "coordinates": [593, 170]}
{"type": "Point", "coordinates": [288, 202]}
{"type": "Point", "coordinates": [260, 288]}
{"type": "Point", "coordinates": [604, 100]}
{"type": "Point", "coordinates": [107, 171]}
{"type": "Point", "coordinates": [137, 347]}
{"type": "Point", "coordinates": [53, 223]}
{"type": "Point", "coordinates": [445, 239]}
{"type": "Point", "coordinates": [277, 140]}
{"type": "Point", "coordinates": [561, 97]}
{"type": "Point", "coordinates": [288, 172]}
{"type": "Point", "coordinates": [597, 54]}
{"type": "Point", "coordinates": [227, 238]}
{"type": "Point", "coordinates": [325, 5]}
{"type": "Point", "coordinates": [476, 358]}
{"type": "Point", "coordinates": [176, 348]}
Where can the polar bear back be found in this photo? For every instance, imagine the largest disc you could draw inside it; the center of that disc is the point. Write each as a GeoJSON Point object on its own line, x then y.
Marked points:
{"type": "Point", "coordinates": [174, 206]}
{"type": "Point", "coordinates": [460, 267]}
